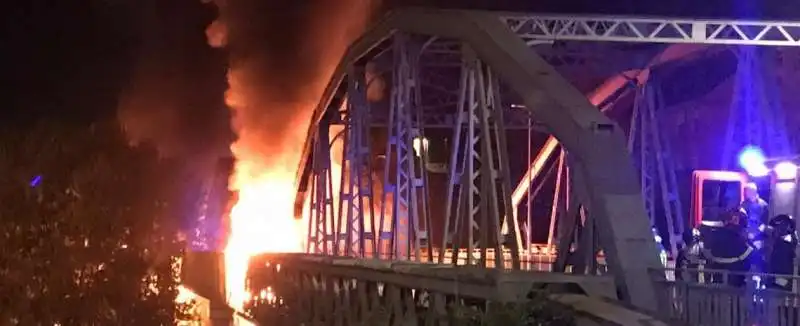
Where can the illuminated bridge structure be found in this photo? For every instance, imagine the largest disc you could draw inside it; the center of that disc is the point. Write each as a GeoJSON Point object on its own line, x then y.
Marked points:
{"type": "Point", "coordinates": [455, 159]}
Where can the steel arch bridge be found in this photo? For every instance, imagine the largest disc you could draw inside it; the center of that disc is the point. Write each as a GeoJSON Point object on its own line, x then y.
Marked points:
{"type": "Point", "coordinates": [384, 214]}
{"type": "Point", "coordinates": [492, 53]}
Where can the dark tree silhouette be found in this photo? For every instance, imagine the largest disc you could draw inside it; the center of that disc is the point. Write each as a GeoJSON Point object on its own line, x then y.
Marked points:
{"type": "Point", "coordinates": [88, 228]}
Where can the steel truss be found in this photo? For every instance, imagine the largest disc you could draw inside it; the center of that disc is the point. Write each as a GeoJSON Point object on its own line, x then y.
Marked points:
{"type": "Point", "coordinates": [534, 179]}
{"type": "Point", "coordinates": [478, 179]}
{"type": "Point", "coordinates": [208, 232]}
{"type": "Point", "coordinates": [342, 224]}
{"type": "Point", "coordinates": [578, 240]}
{"type": "Point", "coordinates": [593, 165]}
{"type": "Point", "coordinates": [759, 121]}
{"type": "Point", "coordinates": [535, 28]}
{"type": "Point", "coordinates": [756, 116]}
{"type": "Point", "coordinates": [410, 218]}
{"type": "Point", "coordinates": [321, 239]}
{"type": "Point", "coordinates": [356, 199]}
{"type": "Point", "coordinates": [404, 207]}
{"type": "Point", "coordinates": [656, 170]}
{"type": "Point", "coordinates": [478, 194]}
{"type": "Point", "coordinates": [202, 237]}
{"type": "Point", "coordinates": [439, 55]}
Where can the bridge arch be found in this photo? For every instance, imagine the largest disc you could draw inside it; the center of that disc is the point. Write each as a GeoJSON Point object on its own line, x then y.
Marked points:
{"type": "Point", "coordinates": [595, 143]}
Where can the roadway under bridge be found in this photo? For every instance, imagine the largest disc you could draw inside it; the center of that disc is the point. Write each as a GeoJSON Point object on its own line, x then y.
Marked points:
{"type": "Point", "coordinates": [464, 157]}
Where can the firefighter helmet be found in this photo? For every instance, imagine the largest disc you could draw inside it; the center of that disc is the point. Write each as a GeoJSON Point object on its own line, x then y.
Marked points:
{"type": "Point", "coordinates": [782, 224]}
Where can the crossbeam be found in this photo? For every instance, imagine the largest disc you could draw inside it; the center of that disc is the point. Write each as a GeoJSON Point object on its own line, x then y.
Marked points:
{"type": "Point", "coordinates": [535, 28]}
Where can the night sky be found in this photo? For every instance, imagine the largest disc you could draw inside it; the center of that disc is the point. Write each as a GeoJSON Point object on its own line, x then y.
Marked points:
{"type": "Point", "coordinates": [756, 9]}
{"type": "Point", "coordinates": [78, 59]}
{"type": "Point", "coordinates": [56, 54]}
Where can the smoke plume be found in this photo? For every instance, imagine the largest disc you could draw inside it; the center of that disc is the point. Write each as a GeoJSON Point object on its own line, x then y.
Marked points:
{"type": "Point", "coordinates": [173, 97]}
{"type": "Point", "coordinates": [282, 54]}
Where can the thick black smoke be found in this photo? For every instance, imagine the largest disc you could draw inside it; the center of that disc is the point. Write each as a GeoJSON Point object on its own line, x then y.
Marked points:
{"type": "Point", "coordinates": [174, 97]}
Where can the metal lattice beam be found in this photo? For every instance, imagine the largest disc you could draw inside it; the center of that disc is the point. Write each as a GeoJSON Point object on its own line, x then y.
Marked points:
{"type": "Point", "coordinates": [595, 143]}
{"type": "Point", "coordinates": [640, 143]}
{"type": "Point", "coordinates": [535, 28]}
{"type": "Point", "coordinates": [409, 219]}
{"type": "Point", "coordinates": [656, 169]}
{"type": "Point", "coordinates": [356, 201]}
{"type": "Point", "coordinates": [476, 206]}
{"type": "Point", "coordinates": [321, 211]}
{"type": "Point", "coordinates": [756, 116]}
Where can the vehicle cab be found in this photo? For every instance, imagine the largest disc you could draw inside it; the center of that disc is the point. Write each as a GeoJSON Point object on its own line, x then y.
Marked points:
{"type": "Point", "coordinates": [714, 192]}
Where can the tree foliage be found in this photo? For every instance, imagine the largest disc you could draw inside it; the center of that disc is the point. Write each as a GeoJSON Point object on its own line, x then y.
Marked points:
{"type": "Point", "coordinates": [88, 228]}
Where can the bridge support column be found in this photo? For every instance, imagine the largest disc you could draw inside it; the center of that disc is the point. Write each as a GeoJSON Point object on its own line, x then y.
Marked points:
{"type": "Point", "coordinates": [221, 314]}
{"type": "Point", "coordinates": [204, 274]}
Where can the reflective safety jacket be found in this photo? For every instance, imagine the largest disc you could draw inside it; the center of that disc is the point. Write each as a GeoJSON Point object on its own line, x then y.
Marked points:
{"type": "Point", "coordinates": [726, 248]}
{"type": "Point", "coordinates": [689, 257]}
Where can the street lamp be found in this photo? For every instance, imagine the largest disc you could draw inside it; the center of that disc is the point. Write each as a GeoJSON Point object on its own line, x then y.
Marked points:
{"type": "Point", "coordinates": [785, 171]}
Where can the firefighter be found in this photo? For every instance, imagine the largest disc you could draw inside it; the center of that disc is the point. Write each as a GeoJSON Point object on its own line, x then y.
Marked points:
{"type": "Point", "coordinates": [689, 257]}
{"type": "Point", "coordinates": [782, 251]}
{"type": "Point", "coordinates": [759, 238]}
{"type": "Point", "coordinates": [662, 252]}
{"type": "Point", "coordinates": [755, 207]}
{"type": "Point", "coordinates": [726, 248]}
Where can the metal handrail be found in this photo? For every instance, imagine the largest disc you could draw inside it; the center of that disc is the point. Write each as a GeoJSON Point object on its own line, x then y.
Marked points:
{"type": "Point", "coordinates": [711, 299]}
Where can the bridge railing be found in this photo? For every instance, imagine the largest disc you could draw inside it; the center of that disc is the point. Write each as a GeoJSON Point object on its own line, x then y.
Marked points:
{"type": "Point", "coordinates": [295, 289]}
{"type": "Point", "coordinates": [722, 298]}
{"type": "Point", "coordinates": [537, 258]}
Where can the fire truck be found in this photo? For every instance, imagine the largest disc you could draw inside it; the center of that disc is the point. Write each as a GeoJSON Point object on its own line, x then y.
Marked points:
{"type": "Point", "coordinates": [713, 192]}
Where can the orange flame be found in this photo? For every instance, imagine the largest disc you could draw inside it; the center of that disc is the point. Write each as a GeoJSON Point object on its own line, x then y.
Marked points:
{"type": "Point", "coordinates": [262, 219]}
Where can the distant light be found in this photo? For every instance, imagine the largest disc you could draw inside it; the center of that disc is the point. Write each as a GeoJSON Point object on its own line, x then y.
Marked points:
{"type": "Point", "coordinates": [420, 145]}
{"type": "Point", "coordinates": [36, 181]}
{"type": "Point", "coordinates": [758, 171]}
{"type": "Point", "coordinates": [751, 155]}
{"type": "Point", "coordinates": [656, 236]}
{"type": "Point", "coordinates": [752, 160]}
{"type": "Point", "coordinates": [786, 171]}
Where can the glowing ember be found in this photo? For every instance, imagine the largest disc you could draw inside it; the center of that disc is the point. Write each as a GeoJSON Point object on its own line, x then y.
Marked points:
{"type": "Point", "coordinates": [185, 295]}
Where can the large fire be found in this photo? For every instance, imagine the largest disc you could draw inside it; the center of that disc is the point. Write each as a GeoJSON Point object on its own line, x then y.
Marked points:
{"type": "Point", "coordinates": [270, 125]}
{"type": "Point", "coordinates": [260, 221]}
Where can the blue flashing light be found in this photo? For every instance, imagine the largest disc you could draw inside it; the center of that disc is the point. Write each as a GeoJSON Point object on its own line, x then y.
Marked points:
{"type": "Point", "coordinates": [785, 171]}
{"type": "Point", "coordinates": [36, 181]}
{"type": "Point", "coordinates": [758, 171]}
{"type": "Point", "coordinates": [752, 160]}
